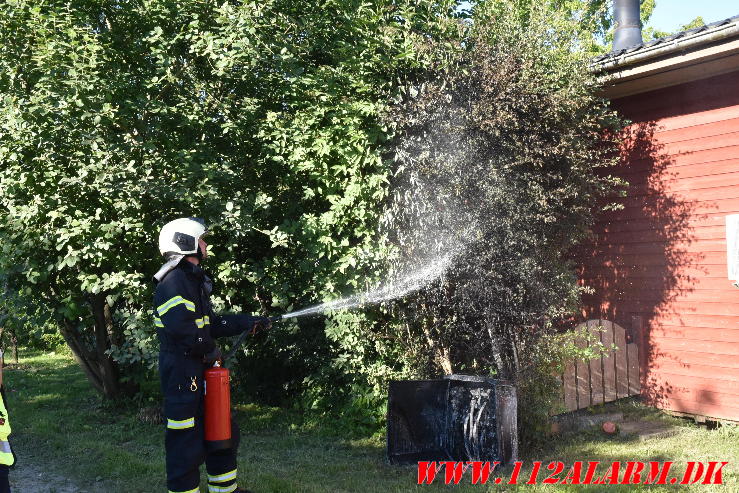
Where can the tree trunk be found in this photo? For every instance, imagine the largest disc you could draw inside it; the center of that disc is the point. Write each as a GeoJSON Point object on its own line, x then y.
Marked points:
{"type": "Point", "coordinates": [442, 354]}
{"type": "Point", "coordinates": [515, 363]}
{"type": "Point", "coordinates": [99, 367]}
{"type": "Point", "coordinates": [106, 365]}
{"type": "Point", "coordinates": [84, 357]}
{"type": "Point", "coordinates": [14, 344]}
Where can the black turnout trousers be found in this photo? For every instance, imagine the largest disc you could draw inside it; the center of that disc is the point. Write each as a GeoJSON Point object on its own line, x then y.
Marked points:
{"type": "Point", "coordinates": [4, 481]}
{"type": "Point", "coordinates": [186, 451]}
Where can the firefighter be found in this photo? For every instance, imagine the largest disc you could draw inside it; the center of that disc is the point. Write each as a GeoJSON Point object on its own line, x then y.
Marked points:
{"type": "Point", "coordinates": [7, 458]}
{"type": "Point", "coordinates": [187, 328]}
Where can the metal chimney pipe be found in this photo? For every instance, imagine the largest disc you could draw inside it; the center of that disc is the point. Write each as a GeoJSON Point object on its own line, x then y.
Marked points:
{"type": "Point", "coordinates": [628, 24]}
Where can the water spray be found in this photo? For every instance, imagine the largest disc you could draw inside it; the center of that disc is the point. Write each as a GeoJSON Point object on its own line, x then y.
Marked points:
{"type": "Point", "coordinates": [406, 283]}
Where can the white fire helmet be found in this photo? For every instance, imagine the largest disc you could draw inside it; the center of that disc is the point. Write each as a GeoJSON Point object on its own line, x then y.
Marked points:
{"type": "Point", "coordinates": [180, 237]}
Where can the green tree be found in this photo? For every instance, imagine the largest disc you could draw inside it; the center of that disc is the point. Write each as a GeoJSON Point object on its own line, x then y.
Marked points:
{"type": "Point", "coordinates": [591, 22]}
{"type": "Point", "coordinates": [697, 22]}
{"type": "Point", "coordinates": [650, 33]}
{"type": "Point", "coordinates": [261, 117]}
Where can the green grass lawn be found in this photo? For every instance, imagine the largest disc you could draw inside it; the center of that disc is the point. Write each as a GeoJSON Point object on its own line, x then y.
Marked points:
{"type": "Point", "coordinates": [60, 426]}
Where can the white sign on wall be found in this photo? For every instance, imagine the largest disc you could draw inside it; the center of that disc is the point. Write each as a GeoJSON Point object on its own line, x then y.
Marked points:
{"type": "Point", "coordinates": [732, 246]}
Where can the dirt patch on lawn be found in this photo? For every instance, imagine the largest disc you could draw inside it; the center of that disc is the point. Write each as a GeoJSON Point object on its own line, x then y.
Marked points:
{"type": "Point", "coordinates": [34, 479]}
{"type": "Point", "coordinates": [38, 472]}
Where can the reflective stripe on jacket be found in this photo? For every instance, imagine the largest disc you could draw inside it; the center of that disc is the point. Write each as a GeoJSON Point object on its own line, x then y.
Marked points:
{"type": "Point", "coordinates": [6, 454]}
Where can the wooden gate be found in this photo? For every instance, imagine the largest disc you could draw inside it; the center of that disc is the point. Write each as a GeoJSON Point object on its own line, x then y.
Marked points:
{"type": "Point", "coordinates": [612, 376]}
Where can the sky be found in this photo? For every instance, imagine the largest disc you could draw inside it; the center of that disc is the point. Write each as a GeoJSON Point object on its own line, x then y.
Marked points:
{"type": "Point", "coordinates": [669, 15]}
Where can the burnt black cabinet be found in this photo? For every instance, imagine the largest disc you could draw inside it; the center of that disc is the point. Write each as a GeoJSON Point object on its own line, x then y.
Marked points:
{"type": "Point", "coordinates": [457, 418]}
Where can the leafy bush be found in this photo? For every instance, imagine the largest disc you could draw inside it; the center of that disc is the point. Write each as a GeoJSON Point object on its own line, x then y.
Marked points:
{"type": "Point", "coordinates": [540, 386]}
{"type": "Point", "coordinates": [501, 160]}
{"type": "Point", "coordinates": [44, 338]}
{"type": "Point", "coordinates": [25, 324]}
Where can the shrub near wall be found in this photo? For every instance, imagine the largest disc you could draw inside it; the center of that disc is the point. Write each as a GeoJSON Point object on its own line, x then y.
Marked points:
{"type": "Point", "coordinates": [505, 156]}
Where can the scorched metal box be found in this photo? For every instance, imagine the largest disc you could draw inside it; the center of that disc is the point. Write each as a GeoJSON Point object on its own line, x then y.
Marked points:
{"type": "Point", "coordinates": [457, 418]}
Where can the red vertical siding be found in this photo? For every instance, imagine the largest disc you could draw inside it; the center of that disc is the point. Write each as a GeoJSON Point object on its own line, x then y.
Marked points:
{"type": "Point", "coordinates": [658, 266]}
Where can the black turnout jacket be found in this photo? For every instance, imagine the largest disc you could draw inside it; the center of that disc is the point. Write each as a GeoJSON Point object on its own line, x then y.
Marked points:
{"type": "Point", "coordinates": [187, 327]}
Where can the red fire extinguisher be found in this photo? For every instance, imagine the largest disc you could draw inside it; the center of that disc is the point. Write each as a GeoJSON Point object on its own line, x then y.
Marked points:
{"type": "Point", "coordinates": [217, 407]}
{"type": "Point", "coordinates": [218, 400]}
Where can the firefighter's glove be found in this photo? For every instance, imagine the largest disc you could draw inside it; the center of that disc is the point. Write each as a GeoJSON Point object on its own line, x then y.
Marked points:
{"type": "Point", "coordinates": [261, 323]}
{"type": "Point", "coordinates": [213, 356]}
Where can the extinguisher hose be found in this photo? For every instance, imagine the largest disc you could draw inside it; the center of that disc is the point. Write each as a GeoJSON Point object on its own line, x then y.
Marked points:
{"type": "Point", "coordinates": [243, 336]}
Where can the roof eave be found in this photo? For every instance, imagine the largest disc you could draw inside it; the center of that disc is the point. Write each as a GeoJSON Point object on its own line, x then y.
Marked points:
{"type": "Point", "coordinates": [640, 54]}
{"type": "Point", "coordinates": [684, 57]}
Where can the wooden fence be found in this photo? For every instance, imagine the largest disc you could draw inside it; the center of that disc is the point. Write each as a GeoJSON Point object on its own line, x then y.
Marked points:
{"type": "Point", "coordinates": [612, 376]}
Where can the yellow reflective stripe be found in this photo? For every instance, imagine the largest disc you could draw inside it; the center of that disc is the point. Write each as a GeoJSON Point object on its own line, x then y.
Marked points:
{"type": "Point", "coordinates": [222, 489]}
{"type": "Point", "coordinates": [172, 302]}
{"type": "Point", "coordinates": [174, 424]}
{"type": "Point", "coordinates": [222, 478]}
{"type": "Point", "coordinates": [200, 322]}
{"type": "Point", "coordinates": [6, 456]}
{"type": "Point", "coordinates": [196, 490]}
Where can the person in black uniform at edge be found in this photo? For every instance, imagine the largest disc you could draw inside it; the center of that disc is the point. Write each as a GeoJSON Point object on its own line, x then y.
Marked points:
{"type": "Point", "coordinates": [7, 457]}
{"type": "Point", "coordinates": [187, 327]}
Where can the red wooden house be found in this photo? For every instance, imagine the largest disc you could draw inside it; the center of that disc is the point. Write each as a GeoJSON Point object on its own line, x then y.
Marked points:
{"type": "Point", "coordinates": [662, 266]}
